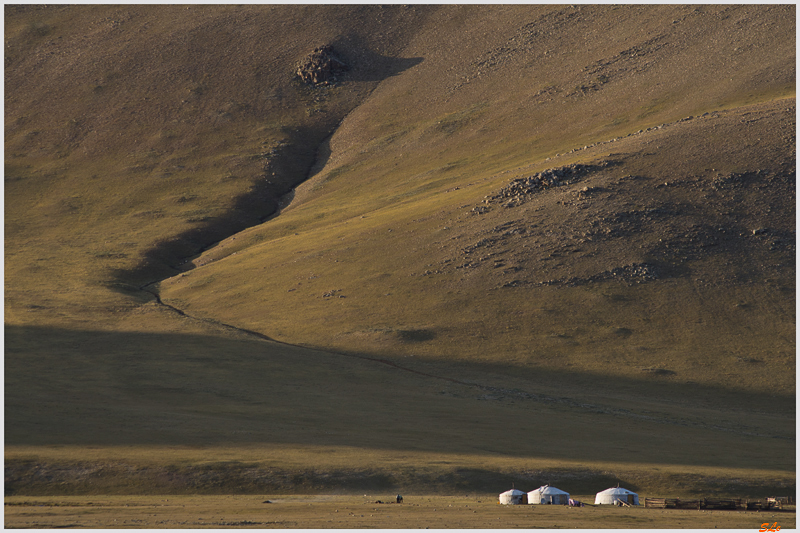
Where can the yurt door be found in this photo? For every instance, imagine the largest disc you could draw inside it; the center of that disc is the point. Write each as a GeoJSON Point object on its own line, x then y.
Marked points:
{"type": "Point", "coordinates": [630, 499]}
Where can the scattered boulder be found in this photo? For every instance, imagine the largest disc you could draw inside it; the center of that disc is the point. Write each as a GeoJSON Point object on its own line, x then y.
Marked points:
{"type": "Point", "coordinates": [333, 293]}
{"type": "Point", "coordinates": [321, 67]}
{"type": "Point", "coordinates": [588, 191]}
{"type": "Point", "coordinates": [634, 273]}
{"type": "Point", "coordinates": [736, 179]}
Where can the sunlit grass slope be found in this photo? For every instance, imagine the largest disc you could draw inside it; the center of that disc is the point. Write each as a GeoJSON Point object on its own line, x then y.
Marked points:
{"type": "Point", "coordinates": [633, 324]}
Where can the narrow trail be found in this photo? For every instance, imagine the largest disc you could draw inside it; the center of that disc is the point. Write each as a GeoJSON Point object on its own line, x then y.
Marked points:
{"type": "Point", "coordinates": [263, 337]}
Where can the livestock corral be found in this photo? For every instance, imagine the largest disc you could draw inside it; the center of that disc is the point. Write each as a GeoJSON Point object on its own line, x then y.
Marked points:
{"type": "Point", "coordinates": [766, 504]}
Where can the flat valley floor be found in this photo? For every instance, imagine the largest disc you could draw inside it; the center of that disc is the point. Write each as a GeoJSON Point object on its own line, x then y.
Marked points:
{"type": "Point", "coordinates": [351, 512]}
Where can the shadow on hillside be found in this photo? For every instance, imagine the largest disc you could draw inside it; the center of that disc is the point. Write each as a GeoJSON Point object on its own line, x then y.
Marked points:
{"type": "Point", "coordinates": [238, 477]}
{"type": "Point", "coordinates": [367, 65]}
{"type": "Point", "coordinates": [71, 387]}
{"type": "Point", "coordinates": [234, 477]}
{"type": "Point", "coordinates": [289, 166]}
{"type": "Point", "coordinates": [284, 171]}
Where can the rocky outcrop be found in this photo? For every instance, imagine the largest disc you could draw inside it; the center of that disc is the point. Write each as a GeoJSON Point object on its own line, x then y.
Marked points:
{"type": "Point", "coordinates": [517, 190]}
{"type": "Point", "coordinates": [321, 67]}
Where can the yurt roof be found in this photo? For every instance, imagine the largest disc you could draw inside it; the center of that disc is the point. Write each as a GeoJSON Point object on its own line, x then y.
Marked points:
{"type": "Point", "coordinates": [547, 489]}
{"type": "Point", "coordinates": [616, 490]}
{"type": "Point", "coordinates": [513, 492]}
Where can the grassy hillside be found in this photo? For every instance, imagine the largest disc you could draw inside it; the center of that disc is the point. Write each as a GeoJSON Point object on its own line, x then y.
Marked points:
{"type": "Point", "coordinates": [415, 183]}
{"type": "Point", "coordinates": [499, 224]}
{"type": "Point", "coordinates": [498, 287]}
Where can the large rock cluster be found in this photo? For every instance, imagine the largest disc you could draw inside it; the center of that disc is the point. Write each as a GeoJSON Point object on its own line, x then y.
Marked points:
{"type": "Point", "coordinates": [515, 192]}
{"type": "Point", "coordinates": [321, 67]}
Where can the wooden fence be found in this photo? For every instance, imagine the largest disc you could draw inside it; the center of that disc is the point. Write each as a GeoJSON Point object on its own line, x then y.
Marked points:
{"type": "Point", "coordinates": [733, 505]}
{"type": "Point", "coordinates": [671, 503]}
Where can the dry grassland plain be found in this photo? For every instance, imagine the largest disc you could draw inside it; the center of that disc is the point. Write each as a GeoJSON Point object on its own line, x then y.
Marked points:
{"type": "Point", "coordinates": [356, 512]}
{"type": "Point", "coordinates": [517, 244]}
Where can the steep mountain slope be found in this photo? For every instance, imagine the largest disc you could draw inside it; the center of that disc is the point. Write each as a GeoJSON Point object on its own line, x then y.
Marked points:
{"type": "Point", "coordinates": [499, 221]}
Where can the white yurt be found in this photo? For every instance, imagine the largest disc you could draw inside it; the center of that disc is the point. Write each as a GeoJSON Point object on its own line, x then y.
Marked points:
{"type": "Point", "coordinates": [548, 495]}
{"type": "Point", "coordinates": [513, 497]}
{"type": "Point", "coordinates": [616, 494]}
